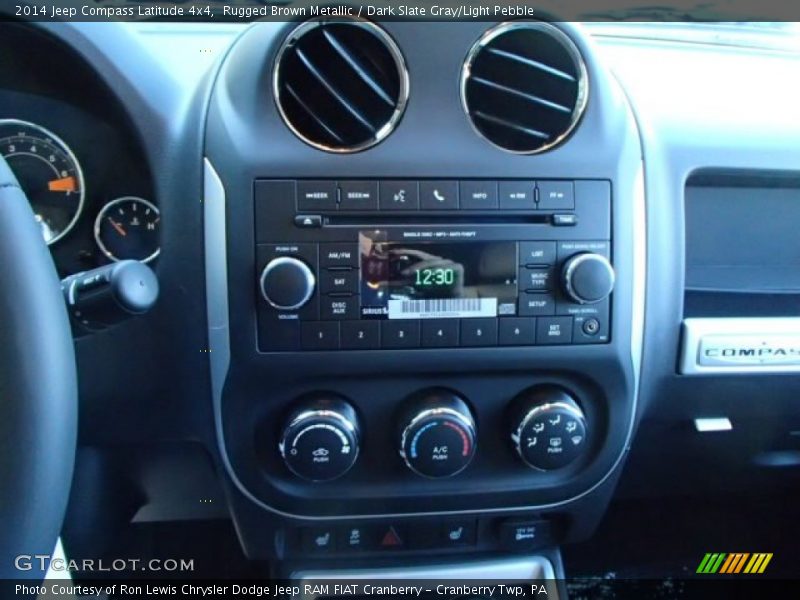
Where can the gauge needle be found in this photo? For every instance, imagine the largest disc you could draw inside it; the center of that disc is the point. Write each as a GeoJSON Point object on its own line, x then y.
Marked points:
{"type": "Point", "coordinates": [65, 184]}
{"type": "Point", "coordinates": [117, 226]}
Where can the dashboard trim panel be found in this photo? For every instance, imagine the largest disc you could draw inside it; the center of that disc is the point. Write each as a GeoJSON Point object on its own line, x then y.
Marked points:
{"type": "Point", "coordinates": [219, 340]}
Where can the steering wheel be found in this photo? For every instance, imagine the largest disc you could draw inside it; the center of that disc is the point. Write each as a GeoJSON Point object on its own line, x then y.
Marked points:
{"type": "Point", "coordinates": [38, 389]}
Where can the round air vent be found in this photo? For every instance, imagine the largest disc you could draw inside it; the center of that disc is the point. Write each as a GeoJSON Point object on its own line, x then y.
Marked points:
{"type": "Point", "coordinates": [524, 86]}
{"type": "Point", "coordinates": [340, 85]}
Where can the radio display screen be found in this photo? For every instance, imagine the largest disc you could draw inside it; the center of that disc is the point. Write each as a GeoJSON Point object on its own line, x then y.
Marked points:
{"type": "Point", "coordinates": [436, 280]}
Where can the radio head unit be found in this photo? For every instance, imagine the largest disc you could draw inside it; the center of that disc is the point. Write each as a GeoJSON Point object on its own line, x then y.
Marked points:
{"type": "Point", "coordinates": [360, 277]}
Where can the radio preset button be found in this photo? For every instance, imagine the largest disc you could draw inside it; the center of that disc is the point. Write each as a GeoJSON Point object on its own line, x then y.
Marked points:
{"type": "Point", "coordinates": [517, 195]}
{"type": "Point", "coordinates": [556, 195]}
{"type": "Point", "coordinates": [339, 281]}
{"type": "Point", "coordinates": [361, 335]}
{"type": "Point", "coordinates": [358, 195]}
{"type": "Point", "coordinates": [536, 305]}
{"type": "Point", "coordinates": [320, 335]}
{"type": "Point", "coordinates": [478, 332]}
{"type": "Point", "coordinates": [399, 334]}
{"type": "Point", "coordinates": [316, 195]}
{"type": "Point", "coordinates": [339, 308]}
{"type": "Point", "coordinates": [537, 253]}
{"type": "Point", "coordinates": [439, 333]}
{"type": "Point", "coordinates": [554, 330]}
{"type": "Point", "coordinates": [338, 255]}
{"type": "Point", "coordinates": [535, 279]}
{"type": "Point", "coordinates": [399, 195]}
{"type": "Point", "coordinates": [438, 195]}
{"type": "Point", "coordinates": [478, 195]}
{"type": "Point", "coordinates": [517, 332]}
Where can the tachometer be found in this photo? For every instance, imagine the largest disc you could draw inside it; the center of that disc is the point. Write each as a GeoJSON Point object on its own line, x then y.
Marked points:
{"type": "Point", "coordinates": [48, 172]}
{"type": "Point", "coordinates": [127, 228]}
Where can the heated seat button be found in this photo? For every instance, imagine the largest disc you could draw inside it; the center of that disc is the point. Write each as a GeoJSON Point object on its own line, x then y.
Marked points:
{"type": "Point", "coordinates": [458, 533]}
{"type": "Point", "coordinates": [478, 195]}
{"type": "Point", "coordinates": [319, 540]}
{"type": "Point", "coordinates": [361, 335]}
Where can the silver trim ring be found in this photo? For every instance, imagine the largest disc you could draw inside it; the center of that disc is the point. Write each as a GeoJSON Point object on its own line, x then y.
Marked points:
{"type": "Point", "coordinates": [394, 50]}
{"type": "Point", "coordinates": [99, 219]}
{"type": "Point", "coordinates": [516, 437]}
{"type": "Point", "coordinates": [311, 281]}
{"type": "Point", "coordinates": [466, 421]}
{"type": "Point", "coordinates": [346, 425]}
{"type": "Point", "coordinates": [574, 262]}
{"type": "Point", "coordinates": [71, 156]}
{"type": "Point", "coordinates": [583, 77]}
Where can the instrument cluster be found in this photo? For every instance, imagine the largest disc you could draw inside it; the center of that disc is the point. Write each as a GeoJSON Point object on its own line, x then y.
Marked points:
{"type": "Point", "coordinates": [76, 155]}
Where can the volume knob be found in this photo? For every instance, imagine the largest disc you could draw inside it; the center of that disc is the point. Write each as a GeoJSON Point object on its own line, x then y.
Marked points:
{"type": "Point", "coordinates": [287, 283]}
{"type": "Point", "coordinates": [588, 278]}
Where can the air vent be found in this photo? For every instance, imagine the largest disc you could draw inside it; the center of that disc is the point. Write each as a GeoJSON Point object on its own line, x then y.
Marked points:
{"type": "Point", "coordinates": [340, 85]}
{"type": "Point", "coordinates": [524, 86]}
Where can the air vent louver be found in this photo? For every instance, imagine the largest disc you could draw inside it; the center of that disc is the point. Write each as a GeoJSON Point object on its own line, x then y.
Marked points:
{"type": "Point", "coordinates": [524, 86]}
{"type": "Point", "coordinates": [340, 85]}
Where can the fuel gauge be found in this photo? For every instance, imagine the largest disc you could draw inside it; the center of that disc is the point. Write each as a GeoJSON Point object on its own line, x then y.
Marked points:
{"type": "Point", "coordinates": [128, 228]}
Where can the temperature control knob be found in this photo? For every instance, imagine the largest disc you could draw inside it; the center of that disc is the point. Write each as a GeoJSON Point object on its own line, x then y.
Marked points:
{"type": "Point", "coordinates": [287, 283]}
{"type": "Point", "coordinates": [549, 428]}
{"type": "Point", "coordinates": [320, 439]}
{"type": "Point", "coordinates": [588, 278]}
{"type": "Point", "coordinates": [437, 438]}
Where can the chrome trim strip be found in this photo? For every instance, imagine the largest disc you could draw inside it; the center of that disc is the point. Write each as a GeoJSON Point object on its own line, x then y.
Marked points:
{"type": "Point", "coordinates": [219, 341]}
{"type": "Point", "coordinates": [216, 260]}
{"type": "Point", "coordinates": [712, 424]}
{"type": "Point", "coordinates": [736, 346]}
{"type": "Point", "coordinates": [514, 570]}
{"type": "Point", "coordinates": [583, 77]}
{"type": "Point", "coordinates": [402, 72]}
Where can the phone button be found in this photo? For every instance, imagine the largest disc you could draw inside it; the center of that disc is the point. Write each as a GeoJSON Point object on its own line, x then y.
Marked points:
{"type": "Point", "coordinates": [438, 195]}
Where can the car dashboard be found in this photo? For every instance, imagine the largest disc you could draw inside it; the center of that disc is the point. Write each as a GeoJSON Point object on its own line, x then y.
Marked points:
{"type": "Point", "coordinates": [449, 299]}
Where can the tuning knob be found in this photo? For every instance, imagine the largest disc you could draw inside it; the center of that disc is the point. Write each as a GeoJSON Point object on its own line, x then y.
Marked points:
{"type": "Point", "coordinates": [588, 278]}
{"type": "Point", "coordinates": [549, 428]}
{"type": "Point", "coordinates": [320, 439]}
{"type": "Point", "coordinates": [437, 438]}
{"type": "Point", "coordinates": [287, 283]}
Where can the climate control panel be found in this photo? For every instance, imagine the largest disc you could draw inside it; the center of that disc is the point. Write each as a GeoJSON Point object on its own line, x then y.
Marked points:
{"type": "Point", "coordinates": [437, 435]}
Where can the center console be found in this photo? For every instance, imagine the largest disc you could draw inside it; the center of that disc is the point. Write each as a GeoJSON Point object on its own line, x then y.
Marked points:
{"type": "Point", "coordinates": [424, 337]}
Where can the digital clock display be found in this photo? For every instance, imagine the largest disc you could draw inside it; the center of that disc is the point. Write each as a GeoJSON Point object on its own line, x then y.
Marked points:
{"type": "Point", "coordinates": [401, 279]}
{"type": "Point", "coordinates": [435, 277]}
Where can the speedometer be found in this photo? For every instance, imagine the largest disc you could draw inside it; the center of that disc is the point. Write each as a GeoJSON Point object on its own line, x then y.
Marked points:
{"type": "Point", "coordinates": [48, 172]}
